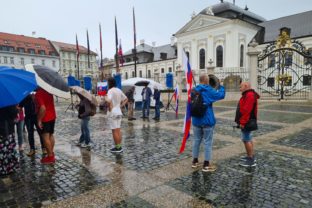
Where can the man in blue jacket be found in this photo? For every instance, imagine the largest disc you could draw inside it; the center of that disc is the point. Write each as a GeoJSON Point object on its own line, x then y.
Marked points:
{"type": "Point", "coordinates": [203, 126]}
{"type": "Point", "coordinates": [146, 100]}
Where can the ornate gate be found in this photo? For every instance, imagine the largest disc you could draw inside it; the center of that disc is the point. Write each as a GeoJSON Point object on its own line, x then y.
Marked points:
{"type": "Point", "coordinates": [284, 69]}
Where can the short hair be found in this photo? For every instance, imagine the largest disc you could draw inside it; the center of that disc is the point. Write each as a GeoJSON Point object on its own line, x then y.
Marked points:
{"type": "Point", "coordinates": [111, 82]}
{"type": "Point", "coordinates": [203, 78]}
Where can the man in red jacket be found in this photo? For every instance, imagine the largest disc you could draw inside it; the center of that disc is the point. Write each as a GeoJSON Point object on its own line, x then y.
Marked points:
{"type": "Point", "coordinates": [246, 110]}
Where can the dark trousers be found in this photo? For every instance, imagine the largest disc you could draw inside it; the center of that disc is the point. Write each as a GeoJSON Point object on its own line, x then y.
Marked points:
{"type": "Point", "coordinates": [30, 122]}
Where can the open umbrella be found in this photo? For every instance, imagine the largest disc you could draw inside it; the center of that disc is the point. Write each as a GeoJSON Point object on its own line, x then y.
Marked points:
{"type": "Point", "coordinates": [85, 93]}
{"type": "Point", "coordinates": [50, 80]}
{"type": "Point", "coordinates": [142, 83]}
{"type": "Point", "coordinates": [15, 85]}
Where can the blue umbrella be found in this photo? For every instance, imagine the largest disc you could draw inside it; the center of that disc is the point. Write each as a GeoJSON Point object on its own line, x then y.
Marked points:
{"type": "Point", "coordinates": [15, 85]}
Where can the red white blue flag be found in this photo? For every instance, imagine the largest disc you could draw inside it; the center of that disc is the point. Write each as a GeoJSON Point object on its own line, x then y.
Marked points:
{"type": "Point", "coordinates": [176, 98]}
{"type": "Point", "coordinates": [188, 119]}
{"type": "Point", "coordinates": [120, 54]}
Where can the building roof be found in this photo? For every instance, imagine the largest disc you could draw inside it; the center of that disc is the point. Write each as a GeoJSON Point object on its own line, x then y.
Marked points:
{"type": "Point", "coordinates": [168, 49]}
{"type": "Point", "coordinates": [140, 49]}
{"type": "Point", "coordinates": [21, 41]}
{"type": "Point", "coordinates": [231, 11]}
{"type": "Point", "coordinates": [67, 47]}
{"type": "Point", "coordinates": [300, 25]}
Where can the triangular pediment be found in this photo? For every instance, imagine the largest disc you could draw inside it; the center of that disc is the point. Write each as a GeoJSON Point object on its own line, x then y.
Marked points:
{"type": "Point", "coordinates": [201, 21]}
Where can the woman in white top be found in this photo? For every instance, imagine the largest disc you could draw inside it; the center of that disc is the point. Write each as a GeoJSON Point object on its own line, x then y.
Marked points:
{"type": "Point", "coordinates": [116, 99]}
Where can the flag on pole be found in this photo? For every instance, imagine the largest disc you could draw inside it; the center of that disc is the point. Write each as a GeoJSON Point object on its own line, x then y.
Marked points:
{"type": "Point", "coordinates": [116, 46]}
{"type": "Point", "coordinates": [176, 98]}
{"type": "Point", "coordinates": [88, 50]}
{"type": "Point", "coordinates": [77, 48]}
{"type": "Point", "coordinates": [120, 54]}
{"type": "Point", "coordinates": [187, 119]}
{"type": "Point", "coordinates": [101, 62]}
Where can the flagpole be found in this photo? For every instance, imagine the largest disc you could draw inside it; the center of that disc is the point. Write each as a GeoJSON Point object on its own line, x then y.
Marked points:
{"type": "Point", "coordinates": [116, 47]}
{"type": "Point", "coordinates": [101, 63]}
{"type": "Point", "coordinates": [134, 41]}
{"type": "Point", "coordinates": [88, 50]}
{"type": "Point", "coordinates": [77, 56]}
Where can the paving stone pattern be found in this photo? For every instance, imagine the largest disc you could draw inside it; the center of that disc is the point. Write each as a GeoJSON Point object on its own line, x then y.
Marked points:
{"type": "Point", "coordinates": [279, 180]}
{"type": "Point", "coordinates": [34, 184]}
{"type": "Point", "coordinates": [292, 108]}
{"type": "Point", "coordinates": [132, 202]}
{"type": "Point", "coordinates": [302, 140]}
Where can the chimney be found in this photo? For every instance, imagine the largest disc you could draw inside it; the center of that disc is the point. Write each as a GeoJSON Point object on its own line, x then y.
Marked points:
{"type": "Point", "coordinates": [246, 8]}
{"type": "Point", "coordinates": [153, 43]}
{"type": "Point", "coordinates": [142, 42]}
{"type": "Point", "coordinates": [172, 40]}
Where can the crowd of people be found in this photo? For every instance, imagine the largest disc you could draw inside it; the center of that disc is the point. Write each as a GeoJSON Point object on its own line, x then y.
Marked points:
{"type": "Point", "coordinates": [37, 110]}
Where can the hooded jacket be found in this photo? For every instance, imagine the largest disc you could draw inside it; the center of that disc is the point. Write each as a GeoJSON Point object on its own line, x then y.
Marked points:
{"type": "Point", "coordinates": [244, 108]}
{"type": "Point", "coordinates": [209, 95]}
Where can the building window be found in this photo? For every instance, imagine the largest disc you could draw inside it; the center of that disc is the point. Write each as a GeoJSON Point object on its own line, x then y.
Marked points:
{"type": "Point", "coordinates": [0, 59]}
{"type": "Point", "coordinates": [53, 63]}
{"type": "Point", "coordinates": [149, 74]}
{"type": "Point", "coordinates": [126, 75]}
{"type": "Point", "coordinates": [307, 60]}
{"type": "Point", "coordinates": [241, 60]}
{"type": "Point", "coordinates": [188, 55]}
{"type": "Point", "coordinates": [22, 61]}
{"type": "Point", "coordinates": [202, 58]}
{"type": "Point", "coordinates": [11, 49]}
{"type": "Point", "coordinates": [271, 60]}
{"type": "Point", "coordinates": [271, 81]}
{"type": "Point", "coordinates": [33, 61]}
{"type": "Point", "coordinates": [133, 75]}
{"type": "Point", "coordinates": [42, 52]}
{"type": "Point", "coordinates": [63, 54]}
{"type": "Point", "coordinates": [5, 60]}
{"type": "Point", "coordinates": [170, 69]}
{"type": "Point", "coordinates": [128, 59]}
{"type": "Point", "coordinates": [306, 80]}
{"type": "Point", "coordinates": [21, 50]}
{"type": "Point", "coordinates": [288, 58]}
{"type": "Point", "coordinates": [219, 52]}
{"type": "Point", "coordinates": [31, 51]}
{"type": "Point", "coordinates": [140, 73]}
{"type": "Point", "coordinates": [12, 60]}
{"type": "Point", "coordinates": [162, 70]}
{"type": "Point", "coordinates": [42, 62]}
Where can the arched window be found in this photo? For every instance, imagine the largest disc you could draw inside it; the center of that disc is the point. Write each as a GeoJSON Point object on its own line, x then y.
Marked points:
{"type": "Point", "coordinates": [219, 56]}
{"type": "Point", "coordinates": [149, 74]}
{"type": "Point", "coordinates": [133, 75]}
{"type": "Point", "coordinates": [202, 58]}
{"type": "Point", "coordinates": [126, 75]}
{"type": "Point", "coordinates": [188, 55]}
{"type": "Point", "coordinates": [241, 60]}
{"type": "Point", "coordinates": [140, 72]}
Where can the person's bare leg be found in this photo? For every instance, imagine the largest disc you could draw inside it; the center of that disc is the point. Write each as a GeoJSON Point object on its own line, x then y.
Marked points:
{"type": "Point", "coordinates": [47, 143]}
{"type": "Point", "coordinates": [117, 136]}
{"type": "Point", "coordinates": [52, 140]}
{"type": "Point", "coordinates": [249, 149]}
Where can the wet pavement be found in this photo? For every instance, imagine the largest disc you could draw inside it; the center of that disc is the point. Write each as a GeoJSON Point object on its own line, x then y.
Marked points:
{"type": "Point", "coordinates": [151, 173]}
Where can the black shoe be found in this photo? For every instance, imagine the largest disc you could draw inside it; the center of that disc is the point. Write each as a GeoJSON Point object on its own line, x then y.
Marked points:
{"type": "Point", "coordinates": [131, 119]}
{"type": "Point", "coordinates": [116, 150]}
{"type": "Point", "coordinates": [245, 158]}
{"type": "Point", "coordinates": [250, 162]}
{"type": "Point", "coordinates": [208, 168]}
{"type": "Point", "coordinates": [195, 163]}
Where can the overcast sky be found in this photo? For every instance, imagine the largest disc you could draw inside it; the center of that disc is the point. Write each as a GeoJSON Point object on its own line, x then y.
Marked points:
{"type": "Point", "coordinates": [156, 20]}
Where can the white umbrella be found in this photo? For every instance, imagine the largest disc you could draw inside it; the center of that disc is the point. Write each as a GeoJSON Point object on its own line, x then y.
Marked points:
{"type": "Point", "coordinates": [85, 94]}
{"type": "Point", "coordinates": [50, 80]}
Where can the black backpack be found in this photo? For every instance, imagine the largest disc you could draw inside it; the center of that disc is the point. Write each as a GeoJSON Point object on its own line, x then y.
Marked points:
{"type": "Point", "coordinates": [198, 107]}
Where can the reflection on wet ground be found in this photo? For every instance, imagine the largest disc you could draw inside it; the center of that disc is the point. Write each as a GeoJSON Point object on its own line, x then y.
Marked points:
{"type": "Point", "coordinates": [151, 173]}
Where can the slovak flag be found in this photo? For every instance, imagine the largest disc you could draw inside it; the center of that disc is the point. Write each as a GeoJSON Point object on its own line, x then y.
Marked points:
{"type": "Point", "coordinates": [176, 98]}
{"type": "Point", "coordinates": [188, 119]}
{"type": "Point", "coordinates": [120, 54]}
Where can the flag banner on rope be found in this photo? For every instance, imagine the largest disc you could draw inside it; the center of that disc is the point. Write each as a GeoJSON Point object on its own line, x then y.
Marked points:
{"type": "Point", "coordinates": [176, 98]}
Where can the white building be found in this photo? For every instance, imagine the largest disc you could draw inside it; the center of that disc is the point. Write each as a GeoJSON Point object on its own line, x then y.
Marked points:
{"type": "Point", "coordinates": [68, 60]}
{"type": "Point", "coordinates": [18, 50]}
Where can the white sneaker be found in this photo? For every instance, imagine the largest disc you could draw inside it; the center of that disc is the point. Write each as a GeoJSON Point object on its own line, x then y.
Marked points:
{"type": "Point", "coordinates": [78, 143]}
{"type": "Point", "coordinates": [83, 145]}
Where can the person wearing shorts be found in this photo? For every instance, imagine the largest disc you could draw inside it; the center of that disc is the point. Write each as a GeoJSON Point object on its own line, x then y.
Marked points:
{"type": "Point", "coordinates": [116, 99]}
{"type": "Point", "coordinates": [46, 121]}
{"type": "Point", "coordinates": [246, 108]}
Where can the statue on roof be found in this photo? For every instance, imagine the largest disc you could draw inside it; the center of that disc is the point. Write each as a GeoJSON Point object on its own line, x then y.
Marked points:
{"type": "Point", "coordinates": [209, 11]}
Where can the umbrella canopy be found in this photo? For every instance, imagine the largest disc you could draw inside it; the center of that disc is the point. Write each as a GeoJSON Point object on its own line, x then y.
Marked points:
{"type": "Point", "coordinates": [15, 85]}
{"type": "Point", "coordinates": [86, 94]}
{"type": "Point", "coordinates": [133, 81]}
{"type": "Point", "coordinates": [50, 80]}
{"type": "Point", "coordinates": [142, 83]}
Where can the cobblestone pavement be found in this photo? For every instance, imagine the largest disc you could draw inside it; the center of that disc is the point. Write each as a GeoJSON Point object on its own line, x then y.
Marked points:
{"type": "Point", "coordinates": [151, 173]}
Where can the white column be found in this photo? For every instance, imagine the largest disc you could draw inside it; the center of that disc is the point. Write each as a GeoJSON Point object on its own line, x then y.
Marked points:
{"type": "Point", "coordinates": [253, 64]}
{"type": "Point", "coordinates": [194, 55]}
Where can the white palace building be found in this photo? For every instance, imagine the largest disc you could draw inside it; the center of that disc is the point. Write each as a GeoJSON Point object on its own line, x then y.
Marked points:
{"type": "Point", "coordinates": [235, 44]}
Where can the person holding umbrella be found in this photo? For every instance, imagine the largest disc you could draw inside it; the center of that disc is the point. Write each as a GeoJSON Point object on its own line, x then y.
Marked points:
{"type": "Point", "coordinates": [146, 100]}
{"type": "Point", "coordinates": [116, 99]}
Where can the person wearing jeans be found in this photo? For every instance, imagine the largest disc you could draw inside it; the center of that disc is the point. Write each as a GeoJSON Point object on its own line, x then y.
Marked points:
{"type": "Point", "coordinates": [146, 100]}
{"type": "Point", "coordinates": [84, 112]}
{"type": "Point", "coordinates": [203, 126]}
{"type": "Point", "coordinates": [19, 128]}
{"type": "Point", "coordinates": [157, 103]}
